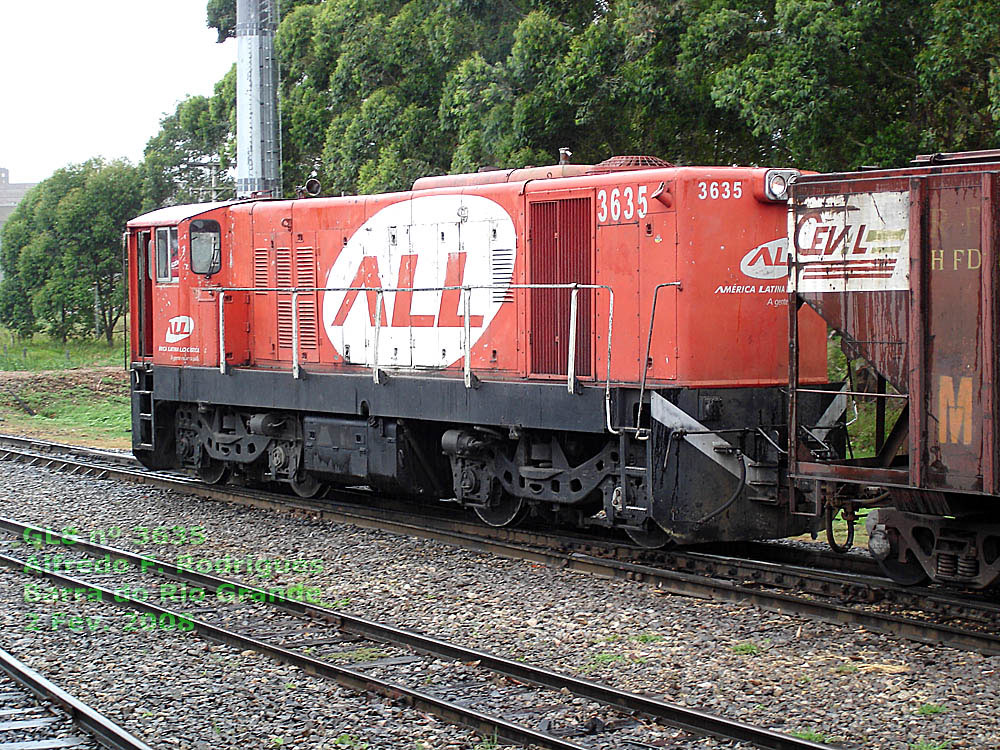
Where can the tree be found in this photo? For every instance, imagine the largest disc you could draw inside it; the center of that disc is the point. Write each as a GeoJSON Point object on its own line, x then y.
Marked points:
{"type": "Point", "coordinates": [61, 255]}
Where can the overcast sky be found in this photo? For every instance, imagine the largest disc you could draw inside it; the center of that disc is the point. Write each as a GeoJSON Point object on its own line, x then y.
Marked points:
{"type": "Point", "coordinates": [86, 78]}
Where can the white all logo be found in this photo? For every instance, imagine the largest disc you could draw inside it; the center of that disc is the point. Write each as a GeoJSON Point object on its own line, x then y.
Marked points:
{"type": "Point", "coordinates": [179, 328]}
{"type": "Point", "coordinates": [767, 261]}
{"type": "Point", "coordinates": [424, 244]}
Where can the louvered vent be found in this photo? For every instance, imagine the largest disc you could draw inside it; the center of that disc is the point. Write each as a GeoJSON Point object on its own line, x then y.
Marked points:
{"type": "Point", "coordinates": [260, 269]}
{"type": "Point", "coordinates": [502, 268]}
{"type": "Point", "coordinates": [305, 277]}
{"type": "Point", "coordinates": [283, 280]}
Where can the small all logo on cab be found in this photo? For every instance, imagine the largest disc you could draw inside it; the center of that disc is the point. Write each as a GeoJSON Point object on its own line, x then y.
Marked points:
{"type": "Point", "coordinates": [767, 261]}
{"type": "Point", "coordinates": [179, 328]}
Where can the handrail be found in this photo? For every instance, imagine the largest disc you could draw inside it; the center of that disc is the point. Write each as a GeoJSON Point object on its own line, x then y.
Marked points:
{"type": "Point", "coordinates": [466, 296]}
{"type": "Point", "coordinates": [645, 359]}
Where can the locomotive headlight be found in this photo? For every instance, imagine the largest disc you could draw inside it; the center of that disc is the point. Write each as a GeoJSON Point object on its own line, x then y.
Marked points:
{"type": "Point", "coordinates": [777, 185]}
{"type": "Point", "coordinates": [776, 182]}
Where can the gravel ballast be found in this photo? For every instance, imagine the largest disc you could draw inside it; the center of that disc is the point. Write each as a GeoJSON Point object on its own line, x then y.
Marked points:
{"type": "Point", "coordinates": [832, 683]}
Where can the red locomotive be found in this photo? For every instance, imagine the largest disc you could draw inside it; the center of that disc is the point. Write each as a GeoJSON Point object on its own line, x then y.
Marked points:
{"type": "Point", "coordinates": [595, 345]}
{"type": "Point", "coordinates": [904, 265]}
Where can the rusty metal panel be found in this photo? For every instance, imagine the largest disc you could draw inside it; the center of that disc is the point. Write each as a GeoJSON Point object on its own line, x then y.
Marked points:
{"type": "Point", "coordinates": [917, 407]}
{"type": "Point", "coordinates": [560, 236]}
{"type": "Point", "coordinates": [850, 263]}
{"type": "Point", "coordinates": [931, 331]}
{"type": "Point", "coordinates": [990, 320]}
{"type": "Point", "coordinates": [953, 313]}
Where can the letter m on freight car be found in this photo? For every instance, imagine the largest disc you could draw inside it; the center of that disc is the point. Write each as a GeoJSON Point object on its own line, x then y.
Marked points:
{"type": "Point", "coordinates": [954, 410]}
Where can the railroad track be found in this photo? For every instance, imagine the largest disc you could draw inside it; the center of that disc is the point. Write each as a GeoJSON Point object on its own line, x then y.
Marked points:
{"type": "Point", "coordinates": [849, 594]}
{"type": "Point", "coordinates": [36, 714]}
{"type": "Point", "coordinates": [497, 697]}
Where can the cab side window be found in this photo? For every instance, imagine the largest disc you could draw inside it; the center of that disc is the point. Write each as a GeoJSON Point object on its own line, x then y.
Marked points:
{"type": "Point", "coordinates": [167, 255]}
{"type": "Point", "coordinates": [206, 247]}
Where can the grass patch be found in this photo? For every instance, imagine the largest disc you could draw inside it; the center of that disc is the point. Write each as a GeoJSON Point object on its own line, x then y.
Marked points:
{"type": "Point", "coordinates": [922, 745]}
{"type": "Point", "coordinates": [42, 353]}
{"type": "Point", "coordinates": [847, 668]}
{"type": "Point", "coordinates": [747, 649]}
{"type": "Point", "coordinates": [931, 709]}
{"type": "Point", "coordinates": [90, 407]}
{"type": "Point", "coordinates": [602, 660]}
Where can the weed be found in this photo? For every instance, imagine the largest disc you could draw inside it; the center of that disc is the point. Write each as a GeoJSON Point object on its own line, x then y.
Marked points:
{"type": "Point", "coordinates": [847, 668]}
{"type": "Point", "coordinates": [930, 709]}
{"type": "Point", "coordinates": [748, 648]}
{"type": "Point", "coordinates": [490, 743]}
{"type": "Point", "coordinates": [647, 637]}
{"type": "Point", "coordinates": [290, 686]}
{"type": "Point", "coordinates": [613, 638]}
{"type": "Point", "coordinates": [358, 655]}
{"type": "Point", "coordinates": [277, 741]}
{"type": "Point", "coordinates": [349, 740]}
{"type": "Point", "coordinates": [922, 745]}
{"type": "Point", "coordinates": [335, 604]}
{"type": "Point", "coordinates": [598, 661]}
{"type": "Point", "coordinates": [808, 734]}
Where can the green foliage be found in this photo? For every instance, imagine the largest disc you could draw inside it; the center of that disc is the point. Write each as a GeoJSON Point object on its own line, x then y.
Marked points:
{"type": "Point", "coordinates": [748, 648]}
{"type": "Point", "coordinates": [925, 745]}
{"type": "Point", "coordinates": [375, 93]}
{"type": "Point", "coordinates": [61, 257]}
{"type": "Point", "coordinates": [931, 709]}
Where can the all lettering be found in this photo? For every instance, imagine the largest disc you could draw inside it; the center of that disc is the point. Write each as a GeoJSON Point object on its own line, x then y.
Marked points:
{"type": "Point", "coordinates": [367, 278]}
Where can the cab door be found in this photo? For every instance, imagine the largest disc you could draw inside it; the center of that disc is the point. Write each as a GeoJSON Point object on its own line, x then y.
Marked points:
{"type": "Point", "coordinates": [143, 303]}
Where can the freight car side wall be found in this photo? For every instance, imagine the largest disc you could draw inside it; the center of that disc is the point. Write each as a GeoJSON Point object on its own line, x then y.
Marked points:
{"type": "Point", "coordinates": [905, 265]}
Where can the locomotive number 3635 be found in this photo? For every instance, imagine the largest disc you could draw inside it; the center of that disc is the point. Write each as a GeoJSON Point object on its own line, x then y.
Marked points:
{"type": "Point", "coordinates": [622, 203]}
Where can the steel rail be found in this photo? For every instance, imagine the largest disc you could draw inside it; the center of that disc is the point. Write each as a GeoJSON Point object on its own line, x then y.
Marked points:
{"type": "Point", "coordinates": [349, 678]}
{"type": "Point", "coordinates": [670, 581]}
{"type": "Point", "coordinates": [687, 719]}
{"type": "Point", "coordinates": [105, 731]}
{"type": "Point", "coordinates": [690, 720]}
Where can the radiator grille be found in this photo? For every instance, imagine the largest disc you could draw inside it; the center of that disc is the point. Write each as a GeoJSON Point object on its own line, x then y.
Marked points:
{"type": "Point", "coordinates": [560, 254]}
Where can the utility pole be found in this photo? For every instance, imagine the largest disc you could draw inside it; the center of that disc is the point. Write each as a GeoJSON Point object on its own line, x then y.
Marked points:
{"type": "Point", "coordinates": [258, 124]}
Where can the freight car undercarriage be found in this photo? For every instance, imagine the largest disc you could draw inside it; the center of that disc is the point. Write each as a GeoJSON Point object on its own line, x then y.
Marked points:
{"type": "Point", "coordinates": [704, 464]}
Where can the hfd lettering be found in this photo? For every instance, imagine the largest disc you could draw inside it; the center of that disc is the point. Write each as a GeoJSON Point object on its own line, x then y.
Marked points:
{"type": "Point", "coordinates": [367, 277]}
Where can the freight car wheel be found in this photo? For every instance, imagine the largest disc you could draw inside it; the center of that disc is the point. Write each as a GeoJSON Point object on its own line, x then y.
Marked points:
{"type": "Point", "coordinates": [504, 511]}
{"type": "Point", "coordinates": [306, 486]}
{"type": "Point", "coordinates": [213, 471]}
{"type": "Point", "coordinates": [909, 573]}
{"type": "Point", "coordinates": [650, 536]}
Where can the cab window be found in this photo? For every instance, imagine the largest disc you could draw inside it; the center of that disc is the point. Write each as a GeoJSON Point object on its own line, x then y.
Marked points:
{"type": "Point", "coordinates": [206, 247]}
{"type": "Point", "coordinates": [167, 255]}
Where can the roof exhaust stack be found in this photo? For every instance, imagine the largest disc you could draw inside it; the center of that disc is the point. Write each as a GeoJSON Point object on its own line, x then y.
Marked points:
{"type": "Point", "coordinates": [258, 125]}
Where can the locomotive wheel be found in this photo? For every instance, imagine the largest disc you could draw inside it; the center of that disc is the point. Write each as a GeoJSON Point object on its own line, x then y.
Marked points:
{"type": "Point", "coordinates": [909, 573]}
{"type": "Point", "coordinates": [306, 486]}
{"type": "Point", "coordinates": [506, 510]}
{"type": "Point", "coordinates": [213, 471]}
{"type": "Point", "coordinates": [650, 536]}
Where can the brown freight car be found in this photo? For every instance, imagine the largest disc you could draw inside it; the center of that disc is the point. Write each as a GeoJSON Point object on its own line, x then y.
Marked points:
{"type": "Point", "coordinates": [903, 265]}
